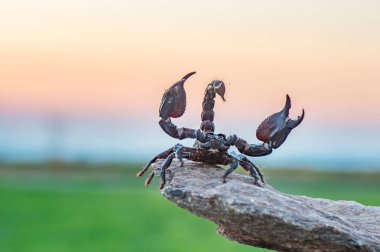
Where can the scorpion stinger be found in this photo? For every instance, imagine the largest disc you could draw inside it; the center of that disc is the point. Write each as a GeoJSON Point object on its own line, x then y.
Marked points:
{"type": "Point", "coordinates": [213, 148]}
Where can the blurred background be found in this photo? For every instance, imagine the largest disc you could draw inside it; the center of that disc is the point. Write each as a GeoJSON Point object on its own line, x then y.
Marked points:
{"type": "Point", "coordinates": [80, 87]}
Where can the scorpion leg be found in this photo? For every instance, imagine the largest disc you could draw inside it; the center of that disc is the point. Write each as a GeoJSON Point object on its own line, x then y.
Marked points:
{"type": "Point", "coordinates": [180, 155]}
{"type": "Point", "coordinates": [149, 179]}
{"type": "Point", "coordinates": [257, 170]}
{"type": "Point", "coordinates": [253, 171]}
{"type": "Point", "coordinates": [180, 152]}
{"type": "Point", "coordinates": [161, 155]}
{"type": "Point", "coordinates": [176, 151]}
{"type": "Point", "coordinates": [233, 166]}
{"type": "Point", "coordinates": [250, 167]}
{"type": "Point", "coordinates": [164, 166]}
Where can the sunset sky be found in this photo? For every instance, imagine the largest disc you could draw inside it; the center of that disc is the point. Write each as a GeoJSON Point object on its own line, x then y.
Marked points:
{"type": "Point", "coordinates": [112, 60]}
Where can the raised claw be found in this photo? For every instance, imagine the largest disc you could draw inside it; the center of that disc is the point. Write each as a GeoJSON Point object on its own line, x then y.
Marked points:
{"type": "Point", "coordinates": [173, 103]}
{"type": "Point", "coordinates": [275, 129]}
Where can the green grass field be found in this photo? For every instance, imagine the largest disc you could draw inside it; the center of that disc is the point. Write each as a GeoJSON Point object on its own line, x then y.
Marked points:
{"type": "Point", "coordinates": [61, 207]}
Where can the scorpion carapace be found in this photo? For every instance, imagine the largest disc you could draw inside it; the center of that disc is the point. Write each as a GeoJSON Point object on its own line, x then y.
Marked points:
{"type": "Point", "coordinates": [213, 148]}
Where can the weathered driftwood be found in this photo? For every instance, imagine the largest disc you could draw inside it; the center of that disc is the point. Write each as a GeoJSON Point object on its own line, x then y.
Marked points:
{"type": "Point", "coordinates": [264, 217]}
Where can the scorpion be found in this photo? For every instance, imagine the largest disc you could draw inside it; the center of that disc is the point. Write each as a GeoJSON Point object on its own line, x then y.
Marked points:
{"type": "Point", "coordinates": [209, 147]}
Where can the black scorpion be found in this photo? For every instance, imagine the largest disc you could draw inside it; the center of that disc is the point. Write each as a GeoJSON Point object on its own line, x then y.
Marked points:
{"type": "Point", "coordinates": [212, 148]}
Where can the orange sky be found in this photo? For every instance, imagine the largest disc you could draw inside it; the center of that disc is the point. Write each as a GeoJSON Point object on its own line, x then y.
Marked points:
{"type": "Point", "coordinates": [117, 57]}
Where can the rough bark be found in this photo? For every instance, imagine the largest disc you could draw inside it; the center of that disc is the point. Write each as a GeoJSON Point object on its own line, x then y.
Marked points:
{"type": "Point", "coordinates": [264, 217]}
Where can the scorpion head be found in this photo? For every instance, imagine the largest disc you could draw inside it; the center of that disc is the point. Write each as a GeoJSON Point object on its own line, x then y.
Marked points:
{"type": "Point", "coordinates": [219, 88]}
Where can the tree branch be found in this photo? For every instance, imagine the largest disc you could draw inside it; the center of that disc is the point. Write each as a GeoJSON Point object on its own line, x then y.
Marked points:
{"type": "Point", "coordinates": [264, 217]}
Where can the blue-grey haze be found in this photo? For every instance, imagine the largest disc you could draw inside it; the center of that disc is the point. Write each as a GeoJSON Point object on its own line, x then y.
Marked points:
{"type": "Point", "coordinates": [41, 139]}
